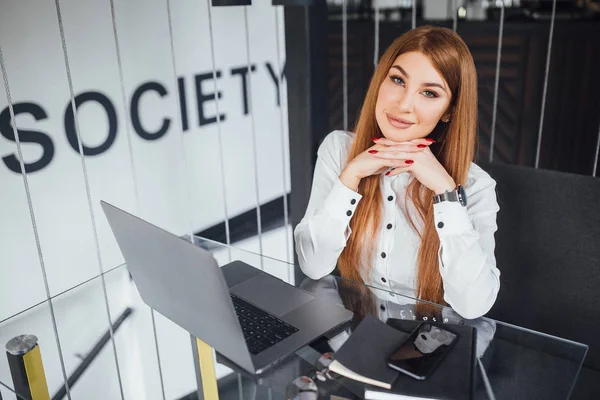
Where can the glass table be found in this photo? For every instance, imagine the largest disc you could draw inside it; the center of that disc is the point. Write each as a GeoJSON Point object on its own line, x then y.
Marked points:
{"type": "Point", "coordinates": [158, 360]}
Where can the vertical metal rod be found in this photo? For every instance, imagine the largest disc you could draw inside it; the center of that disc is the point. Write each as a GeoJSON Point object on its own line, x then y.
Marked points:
{"type": "Point", "coordinates": [548, 54]}
{"type": "Point", "coordinates": [33, 221]}
{"type": "Point", "coordinates": [219, 133]}
{"type": "Point", "coordinates": [414, 14]}
{"type": "Point", "coordinates": [126, 108]}
{"type": "Point", "coordinates": [486, 381]}
{"type": "Point", "coordinates": [497, 83]}
{"type": "Point", "coordinates": [253, 130]}
{"type": "Point", "coordinates": [345, 61]}
{"type": "Point", "coordinates": [180, 124]}
{"type": "Point", "coordinates": [376, 35]}
{"type": "Point", "coordinates": [88, 192]}
{"type": "Point", "coordinates": [133, 169]}
{"type": "Point", "coordinates": [283, 148]}
{"type": "Point", "coordinates": [596, 158]}
{"type": "Point", "coordinates": [454, 15]}
{"type": "Point", "coordinates": [240, 387]}
{"type": "Point", "coordinates": [160, 374]}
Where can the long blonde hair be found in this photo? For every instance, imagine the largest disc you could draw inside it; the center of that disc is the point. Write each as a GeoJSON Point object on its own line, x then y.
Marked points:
{"type": "Point", "coordinates": [454, 148]}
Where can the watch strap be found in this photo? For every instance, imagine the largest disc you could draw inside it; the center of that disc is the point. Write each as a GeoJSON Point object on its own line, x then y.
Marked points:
{"type": "Point", "coordinates": [446, 196]}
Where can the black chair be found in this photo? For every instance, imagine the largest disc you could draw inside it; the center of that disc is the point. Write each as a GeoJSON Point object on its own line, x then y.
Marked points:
{"type": "Point", "coordinates": [548, 253]}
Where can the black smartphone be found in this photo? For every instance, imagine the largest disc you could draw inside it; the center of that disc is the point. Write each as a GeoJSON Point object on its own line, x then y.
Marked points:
{"type": "Point", "coordinates": [422, 351]}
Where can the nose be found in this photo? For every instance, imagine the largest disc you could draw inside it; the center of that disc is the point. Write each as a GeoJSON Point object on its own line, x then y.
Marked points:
{"type": "Point", "coordinates": [405, 101]}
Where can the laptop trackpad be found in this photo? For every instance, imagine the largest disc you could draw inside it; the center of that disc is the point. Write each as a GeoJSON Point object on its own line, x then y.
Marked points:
{"type": "Point", "coordinates": [271, 294]}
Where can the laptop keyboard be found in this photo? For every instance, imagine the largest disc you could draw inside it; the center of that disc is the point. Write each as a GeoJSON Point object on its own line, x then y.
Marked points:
{"type": "Point", "coordinates": [261, 329]}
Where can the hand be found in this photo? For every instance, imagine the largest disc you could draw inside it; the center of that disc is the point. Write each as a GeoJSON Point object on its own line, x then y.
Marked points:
{"type": "Point", "coordinates": [424, 166]}
{"type": "Point", "coordinates": [367, 163]}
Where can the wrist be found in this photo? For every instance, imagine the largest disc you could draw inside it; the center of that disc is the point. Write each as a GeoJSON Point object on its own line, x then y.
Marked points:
{"type": "Point", "coordinates": [447, 186]}
{"type": "Point", "coordinates": [350, 180]}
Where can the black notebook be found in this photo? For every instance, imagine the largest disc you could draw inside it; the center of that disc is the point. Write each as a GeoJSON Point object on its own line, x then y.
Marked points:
{"type": "Point", "coordinates": [364, 355]}
{"type": "Point", "coordinates": [453, 379]}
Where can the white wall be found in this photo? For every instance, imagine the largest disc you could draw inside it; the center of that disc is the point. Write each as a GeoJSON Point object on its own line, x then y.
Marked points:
{"type": "Point", "coordinates": [175, 192]}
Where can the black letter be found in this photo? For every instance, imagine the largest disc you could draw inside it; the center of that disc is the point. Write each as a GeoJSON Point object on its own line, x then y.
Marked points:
{"type": "Point", "coordinates": [111, 113]}
{"type": "Point", "coordinates": [204, 97]}
{"type": "Point", "coordinates": [274, 77]}
{"type": "Point", "coordinates": [135, 111]}
{"type": "Point", "coordinates": [243, 72]}
{"type": "Point", "coordinates": [11, 161]}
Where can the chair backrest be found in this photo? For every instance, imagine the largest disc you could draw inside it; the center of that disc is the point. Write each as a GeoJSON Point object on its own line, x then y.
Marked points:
{"type": "Point", "coordinates": [548, 253]}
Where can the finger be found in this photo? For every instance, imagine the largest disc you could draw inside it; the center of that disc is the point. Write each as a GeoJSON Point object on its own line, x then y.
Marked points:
{"type": "Point", "coordinates": [388, 164]}
{"type": "Point", "coordinates": [425, 141]}
{"type": "Point", "coordinates": [398, 171]}
{"type": "Point", "coordinates": [395, 155]}
{"type": "Point", "coordinates": [377, 146]}
{"type": "Point", "coordinates": [387, 142]}
{"type": "Point", "coordinates": [384, 141]}
{"type": "Point", "coordinates": [375, 149]}
{"type": "Point", "coordinates": [405, 147]}
{"type": "Point", "coordinates": [398, 149]}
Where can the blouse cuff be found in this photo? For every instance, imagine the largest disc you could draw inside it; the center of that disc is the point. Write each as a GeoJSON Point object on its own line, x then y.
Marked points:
{"type": "Point", "coordinates": [341, 202]}
{"type": "Point", "coordinates": [451, 218]}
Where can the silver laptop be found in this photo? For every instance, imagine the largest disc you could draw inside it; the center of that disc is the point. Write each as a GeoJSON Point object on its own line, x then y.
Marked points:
{"type": "Point", "coordinates": [250, 317]}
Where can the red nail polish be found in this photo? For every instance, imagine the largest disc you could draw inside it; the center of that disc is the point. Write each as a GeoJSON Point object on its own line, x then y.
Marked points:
{"type": "Point", "coordinates": [376, 139]}
{"type": "Point", "coordinates": [421, 146]}
{"type": "Point", "coordinates": [409, 162]}
{"type": "Point", "coordinates": [373, 151]}
{"type": "Point", "coordinates": [430, 140]}
{"type": "Point", "coordinates": [387, 173]}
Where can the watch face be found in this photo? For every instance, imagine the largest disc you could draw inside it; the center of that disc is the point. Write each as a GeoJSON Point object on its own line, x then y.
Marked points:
{"type": "Point", "coordinates": [462, 196]}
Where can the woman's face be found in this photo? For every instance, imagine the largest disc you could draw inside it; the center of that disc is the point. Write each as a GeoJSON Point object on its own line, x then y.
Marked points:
{"type": "Point", "coordinates": [412, 99]}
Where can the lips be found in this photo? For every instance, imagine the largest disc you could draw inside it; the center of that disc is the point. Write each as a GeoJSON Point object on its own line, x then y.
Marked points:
{"type": "Point", "coordinates": [399, 122]}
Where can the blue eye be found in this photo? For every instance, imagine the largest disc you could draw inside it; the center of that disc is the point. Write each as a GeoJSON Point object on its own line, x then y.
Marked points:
{"type": "Point", "coordinates": [397, 80]}
{"type": "Point", "coordinates": [430, 94]}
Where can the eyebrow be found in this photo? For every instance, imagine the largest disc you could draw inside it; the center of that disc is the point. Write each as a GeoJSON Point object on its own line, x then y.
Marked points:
{"type": "Point", "coordinates": [399, 68]}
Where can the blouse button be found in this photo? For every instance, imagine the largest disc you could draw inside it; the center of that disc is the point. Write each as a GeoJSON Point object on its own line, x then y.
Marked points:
{"type": "Point", "coordinates": [353, 201]}
{"type": "Point", "coordinates": [348, 213]}
{"type": "Point", "coordinates": [382, 307]}
{"type": "Point", "coordinates": [390, 198]}
{"type": "Point", "coordinates": [383, 255]}
{"type": "Point", "coordinates": [440, 225]}
{"type": "Point", "coordinates": [389, 226]}
{"type": "Point", "coordinates": [383, 279]}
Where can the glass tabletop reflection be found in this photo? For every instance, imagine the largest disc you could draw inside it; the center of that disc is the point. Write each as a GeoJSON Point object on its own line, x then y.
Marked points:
{"type": "Point", "coordinates": [511, 362]}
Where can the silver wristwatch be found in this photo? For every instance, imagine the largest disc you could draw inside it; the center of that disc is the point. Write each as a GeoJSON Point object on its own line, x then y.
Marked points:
{"type": "Point", "coordinates": [457, 195]}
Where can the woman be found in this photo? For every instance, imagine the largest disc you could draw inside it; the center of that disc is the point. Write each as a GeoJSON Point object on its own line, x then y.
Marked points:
{"type": "Point", "coordinates": [399, 204]}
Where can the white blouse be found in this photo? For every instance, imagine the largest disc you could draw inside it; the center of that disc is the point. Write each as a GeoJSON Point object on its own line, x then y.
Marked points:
{"type": "Point", "coordinates": [466, 256]}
